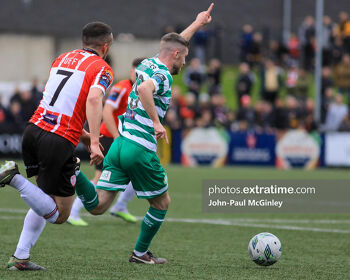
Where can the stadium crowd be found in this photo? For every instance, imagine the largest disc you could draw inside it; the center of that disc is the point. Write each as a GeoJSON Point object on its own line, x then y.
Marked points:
{"type": "Point", "coordinates": [282, 74]}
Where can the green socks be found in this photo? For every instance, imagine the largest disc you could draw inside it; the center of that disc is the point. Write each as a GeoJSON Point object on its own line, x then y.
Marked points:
{"type": "Point", "coordinates": [149, 227]}
{"type": "Point", "coordinates": [86, 192]}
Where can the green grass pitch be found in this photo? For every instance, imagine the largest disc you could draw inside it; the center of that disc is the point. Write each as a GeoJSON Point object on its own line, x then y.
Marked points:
{"type": "Point", "coordinates": [195, 250]}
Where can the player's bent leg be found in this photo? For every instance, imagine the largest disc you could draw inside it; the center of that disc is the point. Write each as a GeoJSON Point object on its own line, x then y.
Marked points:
{"type": "Point", "coordinates": [36, 199]}
{"type": "Point", "coordinates": [161, 202]}
{"type": "Point", "coordinates": [86, 192]}
{"type": "Point", "coordinates": [105, 200]}
{"type": "Point", "coordinates": [32, 228]}
{"type": "Point", "coordinates": [64, 205]}
{"type": "Point", "coordinates": [119, 209]}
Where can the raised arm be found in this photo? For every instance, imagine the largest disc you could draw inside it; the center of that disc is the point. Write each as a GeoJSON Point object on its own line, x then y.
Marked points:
{"type": "Point", "coordinates": [202, 19]}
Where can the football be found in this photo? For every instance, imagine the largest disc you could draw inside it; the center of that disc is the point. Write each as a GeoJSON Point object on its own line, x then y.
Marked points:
{"type": "Point", "coordinates": [265, 249]}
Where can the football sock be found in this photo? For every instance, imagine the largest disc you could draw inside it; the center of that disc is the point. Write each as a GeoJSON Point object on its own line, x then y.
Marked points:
{"type": "Point", "coordinates": [32, 228]}
{"type": "Point", "coordinates": [86, 192]}
{"type": "Point", "coordinates": [149, 227]}
{"type": "Point", "coordinates": [123, 199]}
{"type": "Point", "coordinates": [77, 206]}
{"type": "Point", "coordinates": [36, 199]}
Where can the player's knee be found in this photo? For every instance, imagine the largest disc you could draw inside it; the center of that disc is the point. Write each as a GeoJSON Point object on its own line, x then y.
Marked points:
{"type": "Point", "coordinates": [162, 202]}
{"type": "Point", "coordinates": [62, 217]}
{"type": "Point", "coordinates": [167, 202]}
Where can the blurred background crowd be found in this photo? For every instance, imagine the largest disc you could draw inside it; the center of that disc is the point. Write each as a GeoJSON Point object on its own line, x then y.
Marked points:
{"type": "Point", "coordinates": [271, 87]}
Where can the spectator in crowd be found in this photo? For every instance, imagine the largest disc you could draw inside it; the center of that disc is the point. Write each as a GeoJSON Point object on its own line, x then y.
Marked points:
{"type": "Point", "coordinates": [246, 40]}
{"type": "Point", "coordinates": [307, 41]}
{"type": "Point", "coordinates": [326, 86]}
{"type": "Point", "coordinates": [246, 114]}
{"type": "Point", "coordinates": [14, 117]}
{"type": "Point", "coordinates": [271, 81]}
{"type": "Point", "coordinates": [327, 100]}
{"type": "Point", "coordinates": [335, 114]}
{"type": "Point", "coordinates": [280, 115]}
{"type": "Point", "coordinates": [214, 76]}
{"type": "Point", "coordinates": [302, 86]}
{"type": "Point", "coordinates": [244, 82]}
{"type": "Point", "coordinates": [278, 52]}
{"type": "Point", "coordinates": [309, 123]}
{"type": "Point", "coordinates": [294, 112]}
{"type": "Point", "coordinates": [172, 118]}
{"type": "Point", "coordinates": [326, 79]}
{"type": "Point", "coordinates": [292, 79]}
{"type": "Point", "coordinates": [205, 119]}
{"type": "Point", "coordinates": [337, 51]}
{"type": "Point", "coordinates": [188, 111]}
{"type": "Point", "coordinates": [255, 52]}
{"type": "Point", "coordinates": [36, 93]}
{"type": "Point", "coordinates": [343, 30]}
{"type": "Point", "coordinates": [16, 96]}
{"type": "Point", "coordinates": [200, 42]}
{"type": "Point", "coordinates": [293, 47]}
{"type": "Point", "coordinates": [28, 104]}
{"type": "Point", "coordinates": [342, 75]}
{"type": "Point", "coordinates": [219, 110]}
{"type": "Point", "coordinates": [345, 124]}
{"type": "Point", "coordinates": [327, 40]}
{"type": "Point", "coordinates": [263, 116]}
{"type": "Point", "coordinates": [2, 112]}
{"type": "Point", "coordinates": [194, 76]}
{"type": "Point", "coordinates": [24, 97]}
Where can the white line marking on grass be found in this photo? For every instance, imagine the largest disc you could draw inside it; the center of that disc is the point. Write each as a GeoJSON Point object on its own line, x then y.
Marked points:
{"type": "Point", "coordinates": [241, 224]}
{"type": "Point", "coordinates": [231, 222]}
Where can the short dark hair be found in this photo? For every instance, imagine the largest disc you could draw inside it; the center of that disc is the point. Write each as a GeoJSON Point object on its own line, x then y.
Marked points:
{"type": "Point", "coordinates": [175, 38]}
{"type": "Point", "coordinates": [137, 61]}
{"type": "Point", "coordinates": [96, 34]}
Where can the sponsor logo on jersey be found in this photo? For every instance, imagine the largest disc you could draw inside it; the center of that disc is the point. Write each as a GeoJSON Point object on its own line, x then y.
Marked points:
{"type": "Point", "coordinates": [50, 118]}
{"type": "Point", "coordinates": [159, 77]}
{"type": "Point", "coordinates": [129, 114]}
{"type": "Point", "coordinates": [113, 96]}
{"type": "Point", "coordinates": [109, 74]}
{"type": "Point", "coordinates": [106, 79]}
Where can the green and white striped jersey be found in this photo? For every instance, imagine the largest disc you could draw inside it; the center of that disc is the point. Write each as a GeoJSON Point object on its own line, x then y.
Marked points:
{"type": "Point", "coordinates": [135, 124]}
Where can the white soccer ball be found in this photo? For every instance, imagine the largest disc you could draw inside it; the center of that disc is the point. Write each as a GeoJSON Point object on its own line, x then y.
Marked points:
{"type": "Point", "coordinates": [265, 249]}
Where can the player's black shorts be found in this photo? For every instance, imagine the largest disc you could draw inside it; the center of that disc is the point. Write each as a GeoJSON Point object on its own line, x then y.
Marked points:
{"type": "Point", "coordinates": [106, 143]}
{"type": "Point", "coordinates": [50, 157]}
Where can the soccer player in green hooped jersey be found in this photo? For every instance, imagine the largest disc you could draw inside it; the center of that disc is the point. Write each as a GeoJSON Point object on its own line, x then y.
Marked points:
{"type": "Point", "coordinates": [132, 156]}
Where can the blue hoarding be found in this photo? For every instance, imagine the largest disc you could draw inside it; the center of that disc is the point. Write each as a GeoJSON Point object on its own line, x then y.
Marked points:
{"type": "Point", "coordinates": [251, 148]}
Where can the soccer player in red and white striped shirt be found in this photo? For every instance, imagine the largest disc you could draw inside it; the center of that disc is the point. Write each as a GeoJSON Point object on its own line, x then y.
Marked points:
{"type": "Point", "coordinates": [73, 94]}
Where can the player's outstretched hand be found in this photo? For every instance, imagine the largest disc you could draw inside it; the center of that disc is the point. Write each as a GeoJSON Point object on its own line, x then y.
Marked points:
{"type": "Point", "coordinates": [204, 18]}
{"type": "Point", "coordinates": [160, 132]}
{"type": "Point", "coordinates": [96, 155]}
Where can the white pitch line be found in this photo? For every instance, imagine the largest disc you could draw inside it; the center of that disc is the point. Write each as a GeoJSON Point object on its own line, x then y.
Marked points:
{"type": "Point", "coordinates": [241, 224]}
{"type": "Point", "coordinates": [232, 222]}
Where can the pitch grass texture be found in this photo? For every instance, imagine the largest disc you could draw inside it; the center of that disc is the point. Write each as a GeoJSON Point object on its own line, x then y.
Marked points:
{"type": "Point", "coordinates": [194, 250]}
